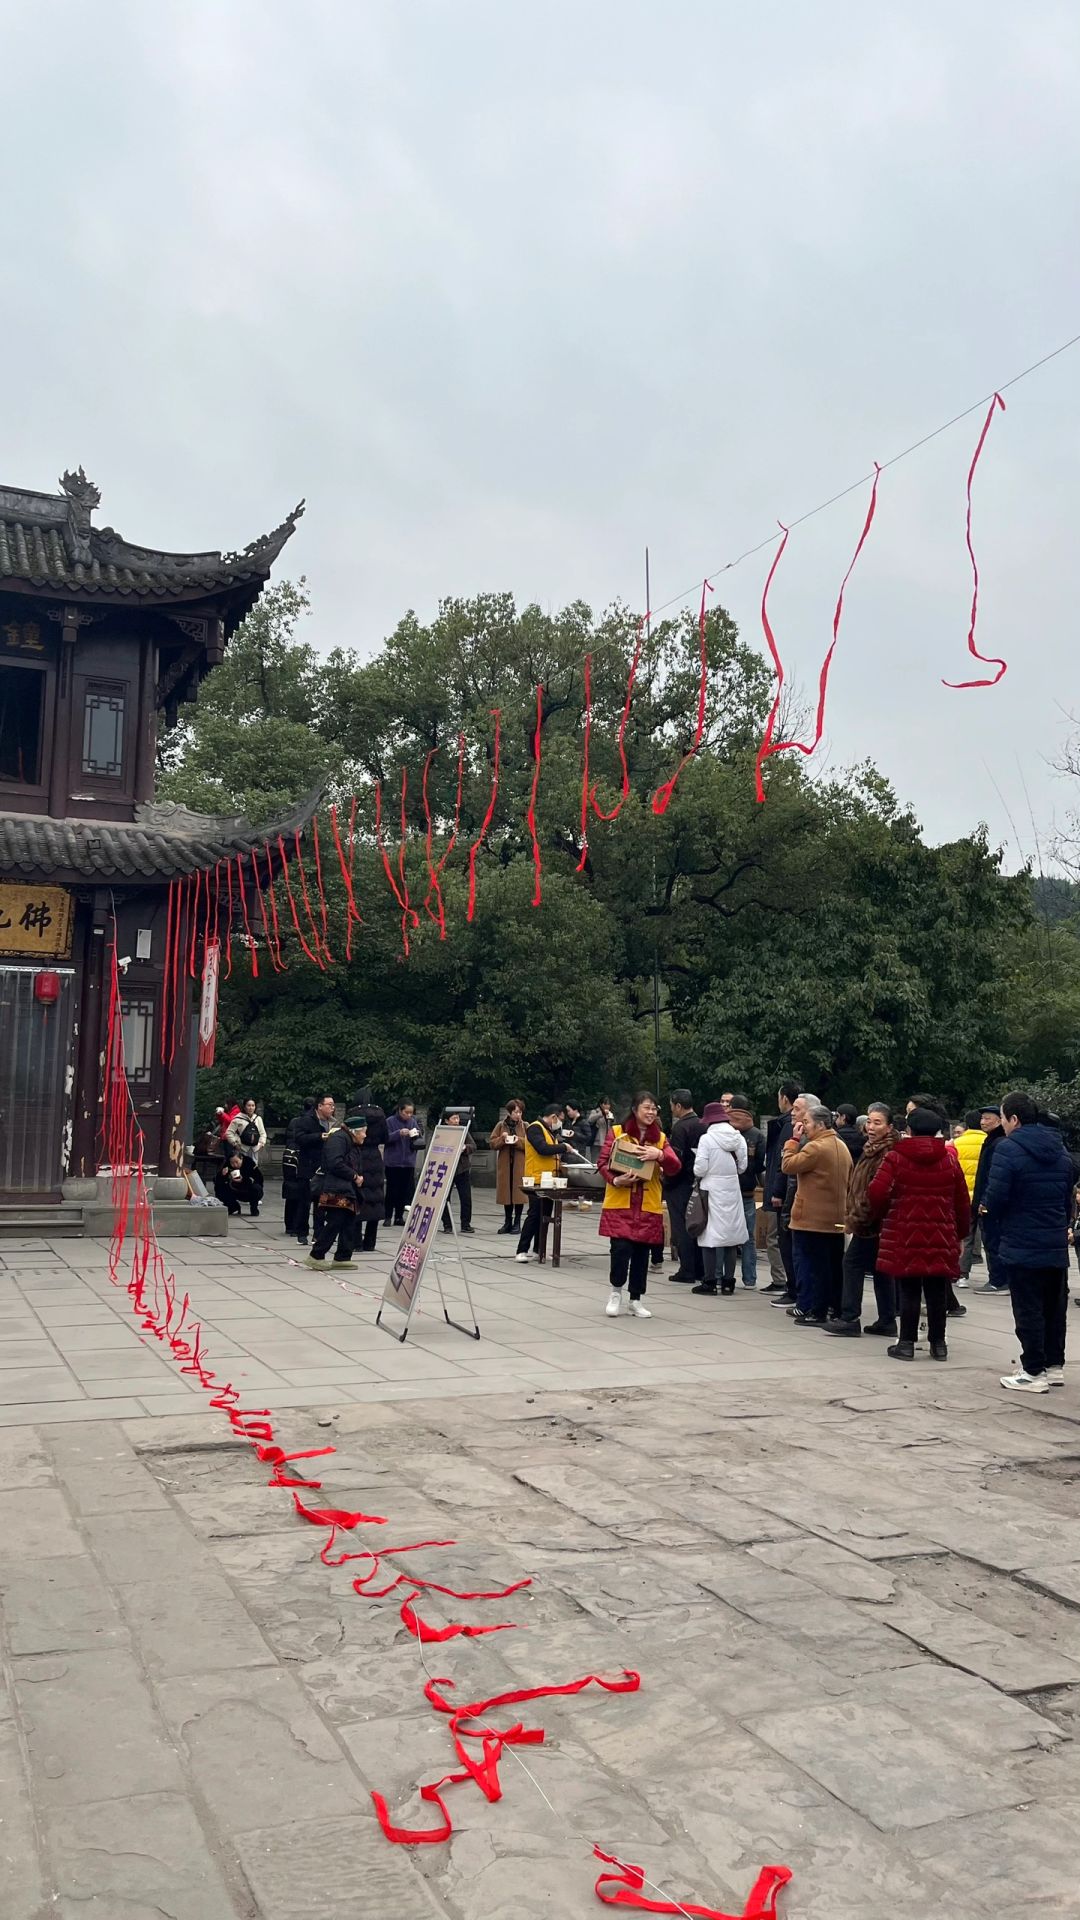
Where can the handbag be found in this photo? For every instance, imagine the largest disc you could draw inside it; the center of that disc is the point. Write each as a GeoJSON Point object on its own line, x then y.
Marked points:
{"type": "Point", "coordinates": [697, 1212]}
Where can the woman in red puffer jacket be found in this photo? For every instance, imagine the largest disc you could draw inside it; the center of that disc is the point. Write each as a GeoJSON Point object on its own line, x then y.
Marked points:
{"type": "Point", "coordinates": [921, 1198]}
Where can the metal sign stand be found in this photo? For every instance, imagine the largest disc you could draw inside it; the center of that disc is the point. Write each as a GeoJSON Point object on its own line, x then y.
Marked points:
{"type": "Point", "coordinates": [424, 1232]}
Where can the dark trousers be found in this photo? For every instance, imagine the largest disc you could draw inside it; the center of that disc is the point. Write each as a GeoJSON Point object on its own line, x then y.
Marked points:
{"type": "Point", "coordinates": [1040, 1302]}
{"type": "Point", "coordinates": [530, 1232]}
{"type": "Point", "coordinates": [885, 1296]}
{"type": "Point", "coordinates": [297, 1200]}
{"type": "Point", "coordinates": [787, 1251]}
{"type": "Point", "coordinates": [369, 1237]}
{"type": "Point", "coordinates": [936, 1290]}
{"type": "Point", "coordinates": [463, 1189]}
{"type": "Point", "coordinates": [818, 1269]}
{"type": "Point", "coordinates": [400, 1187]}
{"type": "Point", "coordinates": [859, 1260]}
{"type": "Point", "coordinates": [630, 1260]}
{"type": "Point", "coordinates": [997, 1273]}
{"type": "Point", "coordinates": [685, 1243]}
{"type": "Point", "coordinates": [334, 1223]}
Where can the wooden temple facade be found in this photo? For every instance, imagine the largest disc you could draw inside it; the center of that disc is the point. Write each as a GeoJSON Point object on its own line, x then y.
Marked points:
{"type": "Point", "coordinates": [98, 638]}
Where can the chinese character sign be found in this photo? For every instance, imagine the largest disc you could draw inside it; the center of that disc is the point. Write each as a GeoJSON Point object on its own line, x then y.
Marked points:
{"type": "Point", "coordinates": [208, 1004]}
{"type": "Point", "coordinates": [36, 921]}
{"type": "Point", "coordinates": [425, 1219]}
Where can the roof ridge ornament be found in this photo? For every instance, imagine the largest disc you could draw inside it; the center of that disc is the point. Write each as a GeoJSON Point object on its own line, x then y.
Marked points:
{"type": "Point", "coordinates": [80, 491]}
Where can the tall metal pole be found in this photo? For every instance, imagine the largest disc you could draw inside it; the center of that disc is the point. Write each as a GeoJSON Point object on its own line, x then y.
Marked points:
{"type": "Point", "coordinates": [656, 929]}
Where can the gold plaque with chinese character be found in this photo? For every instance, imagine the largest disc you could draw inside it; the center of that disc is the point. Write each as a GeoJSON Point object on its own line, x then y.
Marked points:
{"type": "Point", "coordinates": [35, 921]}
{"type": "Point", "coordinates": [22, 636]}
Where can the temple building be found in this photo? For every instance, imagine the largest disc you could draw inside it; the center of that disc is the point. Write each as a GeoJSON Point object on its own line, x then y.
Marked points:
{"type": "Point", "coordinates": [97, 639]}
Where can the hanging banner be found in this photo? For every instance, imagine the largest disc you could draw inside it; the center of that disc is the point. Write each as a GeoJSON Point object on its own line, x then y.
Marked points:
{"type": "Point", "coordinates": [208, 1005]}
{"type": "Point", "coordinates": [424, 1222]}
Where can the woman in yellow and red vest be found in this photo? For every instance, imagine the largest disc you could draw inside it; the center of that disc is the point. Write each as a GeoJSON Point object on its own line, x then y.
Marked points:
{"type": "Point", "coordinates": [541, 1156]}
{"type": "Point", "coordinates": [633, 1212]}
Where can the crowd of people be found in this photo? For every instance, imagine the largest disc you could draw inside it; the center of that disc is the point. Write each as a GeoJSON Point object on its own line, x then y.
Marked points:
{"type": "Point", "coordinates": [828, 1197]}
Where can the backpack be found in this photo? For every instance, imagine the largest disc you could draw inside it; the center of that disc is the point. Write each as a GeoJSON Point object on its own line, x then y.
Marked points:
{"type": "Point", "coordinates": [249, 1135]}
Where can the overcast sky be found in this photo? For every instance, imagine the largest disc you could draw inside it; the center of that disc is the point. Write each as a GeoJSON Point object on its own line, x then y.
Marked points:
{"type": "Point", "coordinates": [507, 289]}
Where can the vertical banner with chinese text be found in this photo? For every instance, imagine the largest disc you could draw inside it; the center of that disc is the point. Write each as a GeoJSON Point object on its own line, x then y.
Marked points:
{"type": "Point", "coordinates": [424, 1222]}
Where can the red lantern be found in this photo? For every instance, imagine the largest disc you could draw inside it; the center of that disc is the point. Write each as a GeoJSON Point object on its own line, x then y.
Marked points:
{"type": "Point", "coordinates": [47, 988]}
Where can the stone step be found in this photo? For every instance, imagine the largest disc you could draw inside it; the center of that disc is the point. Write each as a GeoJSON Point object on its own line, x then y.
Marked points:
{"type": "Point", "coordinates": [20, 1221]}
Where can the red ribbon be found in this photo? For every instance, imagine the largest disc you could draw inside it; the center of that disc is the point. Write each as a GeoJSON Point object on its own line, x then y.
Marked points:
{"type": "Point", "coordinates": [319, 961]}
{"type": "Point", "coordinates": [580, 868]}
{"type": "Point", "coordinates": [352, 910]}
{"type": "Point", "coordinates": [272, 897]}
{"type": "Point", "coordinates": [274, 961]}
{"type": "Point", "coordinates": [537, 858]}
{"type": "Point", "coordinates": [284, 858]}
{"type": "Point", "coordinates": [661, 799]}
{"type": "Point", "coordinates": [228, 924]}
{"type": "Point", "coordinates": [435, 867]}
{"type": "Point", "coordinates": [619, 804]}
{"type": "Point", "coordinates": [253, 956]}
{"type": "Point", "coordinates": [624, 1889]}
{"type": "Point", "coordinates": [487, 819]}
{"type": "Point", "coordinates": [165, 973]}
{"type": "Point", "coordinates": [986, 658]}
{"type": "Point", "coordinates": [319, 884]}
{"type": "Point", "coordinates": [398, 885]}
{"type": "Point", "coordinates": [768, 746]}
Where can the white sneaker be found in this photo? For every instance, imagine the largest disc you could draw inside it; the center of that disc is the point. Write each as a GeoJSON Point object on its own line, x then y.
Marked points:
{"type": "Point", "coordinates": [639, 1310]}
{"type": "Point", "coordinates": [524, 1258]}
{"type": "Point", "coordinates": [1056, 1376]}
{"type": "Point", "coordinates": [614, 1304]}
{"type": "Point", "coordinates": [961, 1284]}
{"type": "Point", "coordinates": [1022, 1382]}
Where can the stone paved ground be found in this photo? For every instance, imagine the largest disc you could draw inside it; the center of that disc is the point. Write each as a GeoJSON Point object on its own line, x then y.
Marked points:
{"type": "Point", "coordinates": [852, 1590]}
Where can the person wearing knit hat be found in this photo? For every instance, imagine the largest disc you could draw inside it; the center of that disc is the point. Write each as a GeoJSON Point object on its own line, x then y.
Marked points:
{"type": "Point", "coordinates": [337, 1188]}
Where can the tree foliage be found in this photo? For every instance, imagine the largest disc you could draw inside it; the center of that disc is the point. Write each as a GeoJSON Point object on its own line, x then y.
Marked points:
{"type": "Point", "coordinates": [817, 935]}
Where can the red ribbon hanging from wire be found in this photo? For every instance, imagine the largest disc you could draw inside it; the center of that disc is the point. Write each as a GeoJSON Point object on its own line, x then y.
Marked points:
{"type": "Point", "coordinates": [537, 857]}
{"type": "Point", "coordinates": [768, 746]}
{"type": "Point", "coordinates": [306, 897]}
{"type": "Point", "coordinates": [435, 867]}
{"type": "Point", "coordinates": [661, 799]}
{"type": "Point", "coordinates": [284, 859]}
{"type": "Point", "coordinates": [580, 868]}
{"type": "Point", "coordinates": [619, 804]}
{"type": "Point", "coordinates": [352, 911]}
{"type": "Point", "coordinates": [397, 883]}
{"type": "Point", "coordinates": [986, 658]}
{"type": "Point", "coordinates": [252, 955]}
{"type": "Point", "coordinates": [325, 936]}
{"type": "Point", "coordinates": [488, 816]}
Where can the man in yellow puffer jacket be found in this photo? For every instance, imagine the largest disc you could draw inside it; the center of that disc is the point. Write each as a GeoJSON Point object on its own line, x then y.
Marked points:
{"type": "Point", "coordinates": [969, 1145]}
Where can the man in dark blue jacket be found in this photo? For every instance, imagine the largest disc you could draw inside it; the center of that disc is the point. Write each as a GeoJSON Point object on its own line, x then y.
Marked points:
{"type": "Point", "coordinates": [1028, 1201]}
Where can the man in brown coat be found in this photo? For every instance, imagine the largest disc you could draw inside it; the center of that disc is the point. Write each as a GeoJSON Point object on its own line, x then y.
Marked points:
{"type": "Point", "coordinates": [822, 1166]}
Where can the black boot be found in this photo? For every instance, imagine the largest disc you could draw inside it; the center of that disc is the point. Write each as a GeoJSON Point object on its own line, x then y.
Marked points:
{"type": "Point", "coordinates": [517, 1219]}
{"type": "Point", "coordinates": [938, 1350]}
{"type": "Point", "coordinates": [508, 1220]}
{"type": "Point", "coordinates": [903, 1350]}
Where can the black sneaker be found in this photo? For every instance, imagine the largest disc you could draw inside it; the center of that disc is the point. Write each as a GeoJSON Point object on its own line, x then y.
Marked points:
{"type": "Point", "coordinates": [703, 1289]}
{"type": "Point", "coordinates": [808, 1319]}
{"type": "Point", "coordinates": [776, 1286]}
{"type": "Point", "coordinates": [783, 1300]}
{"type": "Point", "coordinates": [466, 1229]}
{"type": "Point", "coordinates": [886, 1327]}
{"type": "Point", "coordinates": [958, 1312]}
{"type": "Point", "coordinates": [847, 1329]}
{"type": "Point", "coordinates": [682, 1279]}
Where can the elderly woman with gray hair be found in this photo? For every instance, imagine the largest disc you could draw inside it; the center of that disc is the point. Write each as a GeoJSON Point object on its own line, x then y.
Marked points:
{"type": "Point", "coordinates": [862, 1248]}
{"type": "Point", "coordinates": [822, 1167]}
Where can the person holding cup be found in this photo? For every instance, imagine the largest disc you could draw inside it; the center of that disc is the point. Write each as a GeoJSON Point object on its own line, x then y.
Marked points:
{"type": "Point", "coordinates": [508, 1139]}
{"type": "Point", "coordinates": [634, 1160]}
{"type": "Point", "coordinates": [238, 1183]}
{"type": "Point", "coordinates": [405, 1137]}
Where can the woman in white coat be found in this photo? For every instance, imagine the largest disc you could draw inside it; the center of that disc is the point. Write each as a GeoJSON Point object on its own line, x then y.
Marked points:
{"type": "Point", "coordinates": [718, 1161]}
{"type": "Point", "coordinates": [247, 1134]}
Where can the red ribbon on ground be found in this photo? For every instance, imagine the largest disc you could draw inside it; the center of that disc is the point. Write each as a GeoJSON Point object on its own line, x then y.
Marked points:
{"type": "Point", "coordinates": [537, 858]}
{"type": "Point", "coordinates": [661, 799]}
{"type": "Point", "coordinates": [487, 819]}
{"type": "Point", "coordinates": [768, 745]}
{"type": "Point", "coordinates": [624, 1889]}
{"type": "Point", "coordinates": [619, 804]}
{"type": "Point", "coordinates": [987, 659]}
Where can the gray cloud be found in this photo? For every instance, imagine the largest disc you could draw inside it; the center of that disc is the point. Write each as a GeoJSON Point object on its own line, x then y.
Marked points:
{"type": "Point", "coordinates": [509, 291]}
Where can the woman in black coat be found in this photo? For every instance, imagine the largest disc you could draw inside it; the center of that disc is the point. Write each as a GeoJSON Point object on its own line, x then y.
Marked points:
{"type": "Point", "coordinates": [372, 1197]}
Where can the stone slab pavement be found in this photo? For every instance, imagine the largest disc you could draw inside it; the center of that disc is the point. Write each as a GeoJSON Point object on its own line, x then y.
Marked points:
{"type": "Point", "coordinates": [851, 1588]}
